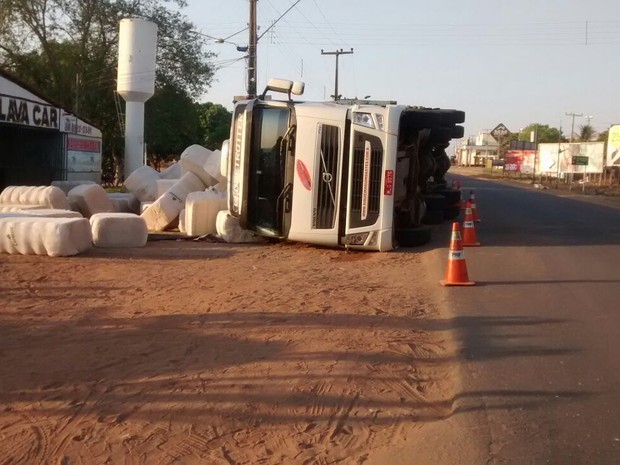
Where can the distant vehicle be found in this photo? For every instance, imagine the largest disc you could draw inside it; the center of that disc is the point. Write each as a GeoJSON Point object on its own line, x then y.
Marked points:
{"type": "Point", "coordinates": [349, 173]}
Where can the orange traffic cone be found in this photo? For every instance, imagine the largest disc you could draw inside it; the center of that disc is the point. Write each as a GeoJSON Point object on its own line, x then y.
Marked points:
{"type": "Point", "coordinates": [474, 209]}
{"type": "Point", "coordinates": [469, 232]}
{"type": "Point", "coordinates": [456, 271]}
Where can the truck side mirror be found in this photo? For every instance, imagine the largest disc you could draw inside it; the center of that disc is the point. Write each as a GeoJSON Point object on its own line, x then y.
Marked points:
{"type": "Point", "coordinates": [298, 88]}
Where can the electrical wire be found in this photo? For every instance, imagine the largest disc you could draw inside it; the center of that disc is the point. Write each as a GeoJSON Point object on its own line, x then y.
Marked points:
{"type": "Point", "coordinates": [561, 33]}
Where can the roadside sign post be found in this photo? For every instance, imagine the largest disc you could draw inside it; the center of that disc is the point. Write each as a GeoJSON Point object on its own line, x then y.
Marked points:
{"type": "Point", "coordinates": [580, 160]}
{"type": "Point", "coordinates": [498, 133]}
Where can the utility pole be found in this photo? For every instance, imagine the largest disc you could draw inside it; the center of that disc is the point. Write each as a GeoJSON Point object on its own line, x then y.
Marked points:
{"type": "Point", "coordinates": [253, 40]}
{"type": "Point", "coordinates": [337, 53]}
{"type": "Point", "coordinates": [557, 174]}
{"type": "Point", "coordinates": [77, 100]}
{"type": "Point", "coordinates": [572, 128]}
{"type": "Point", "coordinates": [253, 44]}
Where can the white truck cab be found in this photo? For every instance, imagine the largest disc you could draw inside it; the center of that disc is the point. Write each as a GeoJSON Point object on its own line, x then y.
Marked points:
{"type": "Point", "coordinates": [346, 174]}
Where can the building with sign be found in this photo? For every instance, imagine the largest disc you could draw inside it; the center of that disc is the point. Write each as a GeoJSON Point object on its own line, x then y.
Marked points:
{"type": "Point", "coordinates": [41, 142]}
{"type": "Point", "coordinates": [477, 150]}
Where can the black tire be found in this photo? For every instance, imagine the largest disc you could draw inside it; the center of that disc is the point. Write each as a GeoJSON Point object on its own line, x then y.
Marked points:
{"type": "Point", "coordinates": [449, 117]}
{"type": "Point", "coordinates": [413, 237]}
{"type": "Point", "coordinates": [420, 118]}
{"type": "Point", "coordinates": [453, 196]}
{"type": "Point", "coordinates": [435, 202]}
{"type": "Point", "coordinates": [458, 132]}
{"type": "Point", "coordinates": [440, 135]}
{"type": "Point", "coordinates": [433, 217]}
{"type": "Point", "coordinates": [451, 212]}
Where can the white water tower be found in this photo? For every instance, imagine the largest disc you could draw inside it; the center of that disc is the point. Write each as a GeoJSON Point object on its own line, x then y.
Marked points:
{"type": "Point", "coordinates": [137, 50]}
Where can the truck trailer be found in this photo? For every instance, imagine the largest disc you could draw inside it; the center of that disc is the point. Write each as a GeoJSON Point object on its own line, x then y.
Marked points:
{"type": "Point", "coordinates": [351, 174]}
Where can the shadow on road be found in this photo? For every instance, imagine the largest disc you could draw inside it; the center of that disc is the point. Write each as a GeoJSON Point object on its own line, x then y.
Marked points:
{"type": "Point", "coordinates": [226, 364]}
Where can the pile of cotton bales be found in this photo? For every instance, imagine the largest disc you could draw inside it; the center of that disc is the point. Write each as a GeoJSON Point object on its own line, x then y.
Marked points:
{"type": "Point", "coordinates": [188, 195]}
{"type": "Point", "coordinates": [71, 216]}
{"type": "Point", "coordinates": [40, 220]}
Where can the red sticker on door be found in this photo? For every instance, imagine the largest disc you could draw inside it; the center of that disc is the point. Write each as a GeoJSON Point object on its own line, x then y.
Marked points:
{"type": "Point", "coordinates": [304, 175]}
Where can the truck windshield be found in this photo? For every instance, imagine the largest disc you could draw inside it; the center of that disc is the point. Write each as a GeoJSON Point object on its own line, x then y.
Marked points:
{"type": "Point", "coordinates": [267, 168]}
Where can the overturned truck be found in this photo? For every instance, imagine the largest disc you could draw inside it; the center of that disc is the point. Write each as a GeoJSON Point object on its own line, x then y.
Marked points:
{"type": "Point", "coordinates": [355, 174]}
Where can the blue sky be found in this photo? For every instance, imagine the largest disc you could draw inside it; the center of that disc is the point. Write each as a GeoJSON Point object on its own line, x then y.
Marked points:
{"type": "Point", "coordinates": [499, 61]}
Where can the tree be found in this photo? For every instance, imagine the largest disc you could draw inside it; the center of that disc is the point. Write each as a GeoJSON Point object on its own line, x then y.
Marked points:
{"type": "Point", "coordinates": [214, 124]}
{"type": "Point", "coordinates": [586, 133]}
{"type": "Point", "coordinates": [49, 43]}
{"type": "Point", "coordinates": [603, 136]}
{"type": "Point", "coordinates": [544, 133]}
{"type": "Point", "coordinates": [171, 124]}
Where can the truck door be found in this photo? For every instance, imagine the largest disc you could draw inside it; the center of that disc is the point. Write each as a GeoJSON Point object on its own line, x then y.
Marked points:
{"type": "Point", "coordinates": [267, 177]}
{"type": "Point", "coordinates": [365, 192]}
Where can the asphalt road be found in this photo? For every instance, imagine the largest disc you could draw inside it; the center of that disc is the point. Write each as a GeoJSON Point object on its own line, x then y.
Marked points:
{"type": "Point", "coordinates": [539, 336]}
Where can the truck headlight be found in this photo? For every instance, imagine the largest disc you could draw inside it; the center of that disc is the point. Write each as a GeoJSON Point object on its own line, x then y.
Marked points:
{"type": "Point", "coordinates": [356, 239]}
{"type": "Point", "coordinates": [363, 119]}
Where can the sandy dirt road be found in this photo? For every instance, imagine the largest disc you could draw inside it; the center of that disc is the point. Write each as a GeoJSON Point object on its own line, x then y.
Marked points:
{"type": "Point", "coordinates": [192, 352]}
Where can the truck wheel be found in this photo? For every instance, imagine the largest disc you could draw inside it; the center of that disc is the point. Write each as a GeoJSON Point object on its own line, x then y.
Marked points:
{"type": "Point", "coordinates": [412, 237]}
{"type": "Point", "coordinates": [433, 217]}
{"type": "Point", "coordinates": [453, 196]}
{"type": "Point", "coordinates": [458, 132]}
{"type": "Point", "coordinates": [420, 118]}
{"type": "Point", "coordinates": [452, 117]}
{"type": "Point", "coordinates": [440, 135]}
{"type": "Point", "coordinates": [434, 202]}
{"type": "Point", "coordinates": [451, 212]}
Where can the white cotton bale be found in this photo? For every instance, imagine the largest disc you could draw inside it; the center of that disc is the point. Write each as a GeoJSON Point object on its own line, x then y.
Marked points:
{"type": "Point", "coordinates": [164, 185]}
{"type": "Point", "coordinates": [193, 160]}
{"type": "Point", "coordinates": [15, 214]}
{"type": "Point", "coordinates": [221, 187]}
{"type": "Point", "coordinates": [51, 213]}
{"type": "Point", "coordinates": [74, 206]}
{"type": "Point", "coordinates": [166, 208]}
{"type": "Point", "coordinates": [46, 196]}
{"type": "Point", "coordinates": [142, 183]}
{"type": "Point", "coordinates": [172, 172]}
{"type": "Point", "coordinates": [66, 186]}
{"type": "Point", "coordinates": [182, 228]}
{"type": "Point", "coordinates": [124, 202]}
{"type": "Point", "coordinates": [118, 230]}
{"type": "Point", "coordinates": [91, 199]}
{"type": "Point", "coordinates": [56, 237]}
{"type": "Point", "coordinates": [7, 208]}
{"type": "Point", "coordinates": [144, 206]}
{"type": "Point", "coordinates": [213, 164]}
{"type": "Point", "coordinates": [201, 209]}
{"type": "Point", "coordinates": [229, 229]}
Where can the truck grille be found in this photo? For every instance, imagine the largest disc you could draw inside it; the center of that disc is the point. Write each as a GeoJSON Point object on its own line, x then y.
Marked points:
{"type": "Point", "coordinates": [360, 214]}
{"type": "Point", "coordinates": [325, 211]}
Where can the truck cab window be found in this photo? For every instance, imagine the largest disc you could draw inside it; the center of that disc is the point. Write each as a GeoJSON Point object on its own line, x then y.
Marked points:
{"type": "Point", "coordinates": [267, 168]}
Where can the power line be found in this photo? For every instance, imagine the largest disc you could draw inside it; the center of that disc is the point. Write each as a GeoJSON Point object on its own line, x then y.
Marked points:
{"type": "Point", "coordinates": [279, 18]}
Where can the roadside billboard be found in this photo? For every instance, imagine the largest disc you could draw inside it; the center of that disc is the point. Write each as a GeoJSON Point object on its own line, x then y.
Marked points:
{"type": "Point", "coordinates": [519, 161]}
{"type": "Point", "coordinates": [549, 155]}
{"type": "Point", "coordinates": [613, 146]}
